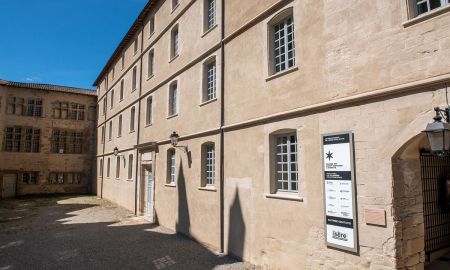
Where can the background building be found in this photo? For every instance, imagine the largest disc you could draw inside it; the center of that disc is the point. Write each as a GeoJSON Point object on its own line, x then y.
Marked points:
{"type": "Point", "coordinates": [250, 88]}
{"type": "Point", "coordinates": [47, 139]}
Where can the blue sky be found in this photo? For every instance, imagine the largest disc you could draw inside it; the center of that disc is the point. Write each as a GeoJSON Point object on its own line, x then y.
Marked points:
{"type": "Point", "coordinates": [64, 42]}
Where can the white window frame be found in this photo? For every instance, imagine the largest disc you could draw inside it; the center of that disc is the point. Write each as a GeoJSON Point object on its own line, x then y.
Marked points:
{"type": "Point", "coordinates": [210, 80]}
{"type": "Point", "coordinates": [171, 166]}
{"type": "Point", "coordinates": [209, 12]}
{"type": "Point", "coordinates": [416, 4]}
{"type": "Point", "coordinates": [286, 171]}
{"type": "Point", "coordinates": [174, 42]}
{"type": "Point", "coordinates": [173, 99]}
{"type": "Point", "coordinates": [209, 164]}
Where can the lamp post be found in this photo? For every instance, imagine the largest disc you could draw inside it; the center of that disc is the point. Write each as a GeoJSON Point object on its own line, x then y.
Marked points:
{"type": "Point", "coordinates": [438, 133]}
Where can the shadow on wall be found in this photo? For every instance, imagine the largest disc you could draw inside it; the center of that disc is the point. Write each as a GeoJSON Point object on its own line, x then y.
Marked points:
{"type": "Point", "coordinates": [236, 228]}
{"type": "Point", "coordinates": [67, 235]}
{"type": "Point", "coordinates": [183, 222]}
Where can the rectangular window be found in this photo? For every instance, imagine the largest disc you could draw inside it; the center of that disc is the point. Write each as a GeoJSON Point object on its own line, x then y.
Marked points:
{"type": "Point", "coordinates": [173, 99]}
{"type": "Point", "coordinates": [15, 106]}
{"type": "Point", "coordinates": [424, 6]}
{"type": "Point", "coordinates": [77, 111]}
{"type": "Point", "coordinates": [108, 167]}
{"type": "Point", "coordinates": [174, 43]}
{"type": "Point", "coordinates": [103, 135]}
{"type": "Point", "coordinates": [175, 4]}
{"type": "Point", "coordinates": [286, 167]}
{"type": "Point", "coordinates": [118, 167]}
{"type": "Point", "coordinates": [13, 139]}
{"type": "Point", "coordinates": [121, 89]}
{"type": "Point", "coordinates": [211, 13]}
{"type": "Point", "coordinates": [34, 107]}
{"type": "Point", "coordinates": [32, 139]}
{"type": "Point", "coordinates": [130, 167]}
{"type": "Point", "coordinates": [29, 178]}
{"type": "Point", "coordinates": [284, 45]}
{"type": "Point", "coordinates": [148, 116]}
{"type": "Point", "coordinates": [134, 81]}
{"type": "Point", "coordinates": [112, 73]}
{"type": "Point", "coordinates": [61, 110]}
{"type": "Point", "coordinates": [119, 130]}
{"type": "Point", "coordinates": [122, 61]}
{"type": "Point", "coordinates": [150, 63]}
{"type": "Point", "coordinates": [171, 166]}
{"type": "Point", "coordinates": [101, 168]}
{"type": "Point", "coordinates": [151, 25]}
{"type": "Point", "coordinates": [132, 116]}
{"type": "Point", "coordinates": [112, 98]}
{"type": "Point", "coordinates": [67, 142]}
{"type": "Point", "coordinates": [210, 82]}
{"type": "Point", "coordinates": [104, 104]}
{"type": "Point", "coordinates": [135, 45]}
{"type": "Point", "coordinates": [210, 165]}
{"type": "Point", "coordinates": [110, 131]}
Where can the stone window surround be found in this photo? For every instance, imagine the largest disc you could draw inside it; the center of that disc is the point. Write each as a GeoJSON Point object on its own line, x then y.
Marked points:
{"type": "Point", "coordinates": [410, 18]}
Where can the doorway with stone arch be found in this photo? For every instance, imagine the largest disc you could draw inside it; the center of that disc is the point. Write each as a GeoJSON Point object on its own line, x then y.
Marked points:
{"type": "Point", "coordinates": [420, 206]}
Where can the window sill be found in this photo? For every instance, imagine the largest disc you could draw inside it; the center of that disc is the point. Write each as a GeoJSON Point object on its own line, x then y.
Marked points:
{"type": "Point", "coordinates": [281, 73]}
{"type": "Point", "coordinates": [207, 102]}
{"type": "Point", "coordinates": [148, 125]}
{"type": "Point", "coordinates": [151, 34]}
{"type": "Point", "coordinates": [209, 30]}
{"type": "Point", "coordinates": [120, 136]}
{"type": "Point", "coordinates": [121, 100]}
{"type": "Point", "coordinates": [284, 197]}
{"type": "Point", "coordinates": [133, 90]}
{"type": "Point", "coordinates": [129, 180]}
{"type": "Point", "coordinates": [426, 16]}
{"type": "Point", "coordinates": [172, 116]}
{"type": "Point", "coordinates": [131, 131]}
{"type": "Point", "coordinates": [151, 76]}
{"type": "Point", "coordinates": [173, 58]}
{"type": "Point", "coordinates": [170, 185]}
{"type": "Point", "coordinates": [207, 188]}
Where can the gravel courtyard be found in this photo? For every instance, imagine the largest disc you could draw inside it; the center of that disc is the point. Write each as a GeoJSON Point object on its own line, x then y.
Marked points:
{"type": "Point", "coordinates": [85, 232]}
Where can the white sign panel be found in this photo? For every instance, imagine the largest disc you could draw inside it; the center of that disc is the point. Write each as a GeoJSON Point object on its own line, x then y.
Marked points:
{"type": "Point", "coordinates": [339, 191]}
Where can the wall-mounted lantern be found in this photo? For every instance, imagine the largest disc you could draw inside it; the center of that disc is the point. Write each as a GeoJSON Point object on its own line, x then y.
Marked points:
{"type": "Point", "coordinates": [438, 133]}
{"type": "Point", "coordinates": [116, 153]}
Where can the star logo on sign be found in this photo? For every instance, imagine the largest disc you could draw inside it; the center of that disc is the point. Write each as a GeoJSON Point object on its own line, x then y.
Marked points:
{"type": "Point", "coordinates": [329, 155]}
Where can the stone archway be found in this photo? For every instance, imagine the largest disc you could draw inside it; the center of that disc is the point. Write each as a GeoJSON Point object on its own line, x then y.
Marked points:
{"type": "Point", "coordinates": [408, 204]}
{"type": "Point", "coordinates": [413, 169]}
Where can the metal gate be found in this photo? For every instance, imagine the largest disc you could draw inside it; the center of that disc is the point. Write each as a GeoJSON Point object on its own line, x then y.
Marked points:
{"type": "Point", "coordinates": [435, 175]}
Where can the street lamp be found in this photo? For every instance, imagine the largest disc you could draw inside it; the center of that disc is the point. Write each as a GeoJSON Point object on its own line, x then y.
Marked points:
{"type": "Point", "coordinates": [174, 139]}
{"type": "Point", "coordinates": [438, 133]}
{"type": "Point", "coordinates": [116, 153]}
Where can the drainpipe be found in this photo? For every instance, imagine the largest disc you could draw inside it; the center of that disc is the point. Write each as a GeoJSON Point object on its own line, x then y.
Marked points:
{"type": "Point", "coordinates": [103, 153]}
{"type": "Point", "coordinates": [138, 122]}
{"type": "Point", "coordinates": [222, 123]}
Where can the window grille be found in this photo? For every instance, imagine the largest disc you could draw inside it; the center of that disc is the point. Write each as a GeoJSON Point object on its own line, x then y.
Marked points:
{"type": "Point", "coordinates": [424, 6]}
{"type": "Point", "coordinates": [173, 100]}
{"type": "Point", "coordinates": [172, 168]}
{"type": "Point", "coordinates": [30, 178]}
{"type": "Point", "coordinates": [210, 160]}
{"type": "Point", "coordinates": [284, 45]}
{"type": "Point", "coordinates": [211, 81]}
{"type": "Point", "coordinates": [211, 13]}
{"type": "Point", "coordinates": [286, 174]}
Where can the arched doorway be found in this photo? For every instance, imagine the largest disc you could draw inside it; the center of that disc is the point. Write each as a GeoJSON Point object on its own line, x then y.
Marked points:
{"type": "Point", "coordinates": [420, 204]}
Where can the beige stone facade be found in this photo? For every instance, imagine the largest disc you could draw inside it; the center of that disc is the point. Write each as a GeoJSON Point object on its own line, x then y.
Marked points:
{"type": "Point", "coordinates": [372, 68]}
{"type": "Point", "coordinates": [47, 139]}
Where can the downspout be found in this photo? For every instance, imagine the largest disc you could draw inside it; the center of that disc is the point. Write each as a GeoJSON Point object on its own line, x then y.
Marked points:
{"type": "Point", "coordinates": [222, 124]}
{"type": "Point", "coordinates": [138, 122]}
{"type": "Point", "coordinates": [103, 154]}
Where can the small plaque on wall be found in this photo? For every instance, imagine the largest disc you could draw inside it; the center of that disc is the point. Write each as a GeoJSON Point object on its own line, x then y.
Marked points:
{"type": "Point", "coordinates": [373, 216]}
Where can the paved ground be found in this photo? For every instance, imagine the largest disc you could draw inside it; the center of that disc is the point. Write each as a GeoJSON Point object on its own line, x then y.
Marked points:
{"type": "Point", "coordinates": [85, 232]}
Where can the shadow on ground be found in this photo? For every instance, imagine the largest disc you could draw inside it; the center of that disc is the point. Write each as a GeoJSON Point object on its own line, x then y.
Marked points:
{"type": "Point", "coordinates": [85, 232]}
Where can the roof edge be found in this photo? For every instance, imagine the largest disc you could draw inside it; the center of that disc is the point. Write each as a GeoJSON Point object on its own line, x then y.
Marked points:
{"type": "Point", "coordinates": [131, 32]}
{"type": "Point", "coordinates": [49, 87]}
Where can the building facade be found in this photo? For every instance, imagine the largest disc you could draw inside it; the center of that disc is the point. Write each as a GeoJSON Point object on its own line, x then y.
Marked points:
{"type": "Point", "coordinates": [250, 89]}
{"type": "Point", "coordinates": [47, 138]}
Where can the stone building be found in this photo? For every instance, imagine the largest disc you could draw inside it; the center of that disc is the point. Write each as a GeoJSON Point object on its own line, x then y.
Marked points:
{"type": "Point", "coordinates": [250, 89]}
{"type": "Point", "coordinates": [46, 138]}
